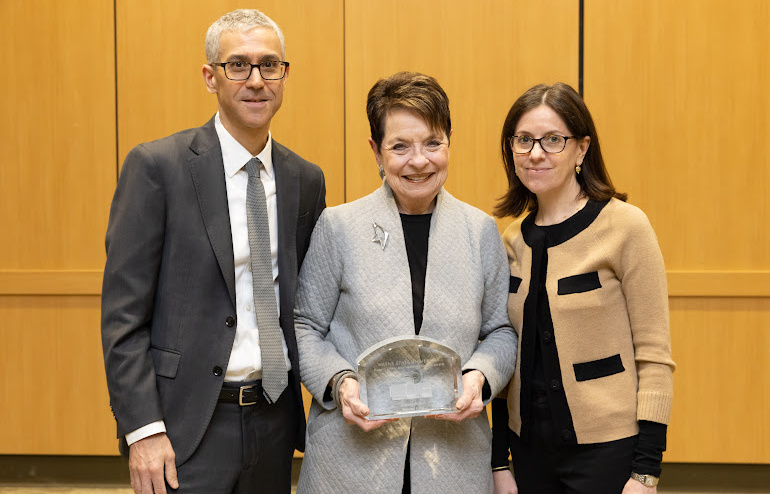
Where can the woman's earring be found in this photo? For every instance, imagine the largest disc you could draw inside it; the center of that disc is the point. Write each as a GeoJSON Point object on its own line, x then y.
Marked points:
{"type": "Point", "coordinates": [577, 169]}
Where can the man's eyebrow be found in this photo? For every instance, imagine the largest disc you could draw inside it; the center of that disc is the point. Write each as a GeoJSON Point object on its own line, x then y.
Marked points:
{"type": "Point", "coordinates": [239, 57]}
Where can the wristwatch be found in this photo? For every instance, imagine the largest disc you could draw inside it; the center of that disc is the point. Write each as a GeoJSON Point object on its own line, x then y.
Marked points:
{"type": "Point", "coordinates": [645, 479]}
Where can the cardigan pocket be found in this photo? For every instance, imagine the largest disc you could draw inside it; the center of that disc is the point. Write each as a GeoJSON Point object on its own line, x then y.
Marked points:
{"type": "Point", "coordinates": [598, 368]}
{"type": "Point", "coordinates": [579, 283]}
{"type": "Point", "coordinates": [513, 285]}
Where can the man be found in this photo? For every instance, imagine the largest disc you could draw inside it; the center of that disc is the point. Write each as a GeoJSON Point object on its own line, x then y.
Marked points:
{"type": "Point", "coordinates": [202, 371]}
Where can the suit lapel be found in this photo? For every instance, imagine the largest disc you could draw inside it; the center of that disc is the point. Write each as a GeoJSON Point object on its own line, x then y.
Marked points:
{"type": "Point", "coordinates": [287, 199]}
{"type": "Point", "coordinates": [207, 171]}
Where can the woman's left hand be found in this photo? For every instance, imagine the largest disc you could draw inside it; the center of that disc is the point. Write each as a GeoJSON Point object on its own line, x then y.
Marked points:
{"type": "Point", "coordinates": [470, 403]}
{"type": "Point", "coordinates": [636, 487]}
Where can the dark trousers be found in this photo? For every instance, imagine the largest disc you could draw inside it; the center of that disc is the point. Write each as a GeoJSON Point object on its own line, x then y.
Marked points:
{"type": "Point", "coordinates": [542, 466]}
{"type": "Point", "coordinates": [245, 450]}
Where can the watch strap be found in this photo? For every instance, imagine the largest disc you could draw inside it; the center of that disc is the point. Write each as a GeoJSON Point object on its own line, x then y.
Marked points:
{"type": "Point", "coordinates": [646, 479]}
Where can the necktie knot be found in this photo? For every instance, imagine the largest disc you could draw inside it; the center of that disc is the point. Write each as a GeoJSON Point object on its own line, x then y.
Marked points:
{"type": "Point", "coordinates": [252, 167]}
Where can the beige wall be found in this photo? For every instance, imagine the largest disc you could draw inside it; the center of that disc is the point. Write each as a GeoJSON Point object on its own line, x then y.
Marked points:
{"type": "Point", "coordinates": [678, 96]}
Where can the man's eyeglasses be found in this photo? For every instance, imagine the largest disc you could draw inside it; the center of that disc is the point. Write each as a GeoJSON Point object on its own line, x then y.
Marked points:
{"type": "Point", "coordinates": [269, 70]}
{"type": "Point", "coordinates": [551, 143]}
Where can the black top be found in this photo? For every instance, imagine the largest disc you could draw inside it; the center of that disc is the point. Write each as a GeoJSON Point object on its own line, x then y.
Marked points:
{"type": "Point", "coordinates": [539, 367]}
{"type": "Point", "coordinates": [416, 230]}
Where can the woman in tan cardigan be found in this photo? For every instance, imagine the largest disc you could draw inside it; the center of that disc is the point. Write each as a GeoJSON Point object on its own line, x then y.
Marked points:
{"type": "Point", "coordinates": [587, 408]}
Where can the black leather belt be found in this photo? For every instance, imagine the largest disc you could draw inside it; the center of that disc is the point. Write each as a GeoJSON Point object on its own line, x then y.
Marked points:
{"type": "Point", "coordinates": [249, 394]}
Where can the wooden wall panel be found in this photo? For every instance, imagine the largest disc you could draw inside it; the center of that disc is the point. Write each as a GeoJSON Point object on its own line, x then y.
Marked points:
{"type": "Point", "coordinates": [161, 90]}
{"type": "Point", "coordinates": [680, 100]}
{"type": "Point", "coordinates": [58, 135]}
{"type": "Point", "coordinates": [681, 106]}
{"type": "Point", "coordinates": [52, 380]}
{"type": "Point", "coordinates": [484, 55]}
{"type": "Point", "coordinates": [57, 177]}
{"type": "Point", "coordinates": [722, 381]}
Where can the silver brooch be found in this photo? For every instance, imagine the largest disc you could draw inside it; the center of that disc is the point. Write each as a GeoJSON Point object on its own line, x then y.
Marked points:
{"type": "Point", "coordinates": [380, 235]}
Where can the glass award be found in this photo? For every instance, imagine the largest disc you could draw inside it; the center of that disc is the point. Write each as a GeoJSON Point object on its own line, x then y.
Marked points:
{"type": "Point", "coordinates": [409, 377]}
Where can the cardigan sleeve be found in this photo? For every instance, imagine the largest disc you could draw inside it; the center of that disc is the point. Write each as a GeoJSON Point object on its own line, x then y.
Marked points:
{"type": "Point", "coordinates": [495, 356]}
{"type": "Point", "coordinates": [317, 296]}
{"type": "Point", "coordinates": [643, 278]}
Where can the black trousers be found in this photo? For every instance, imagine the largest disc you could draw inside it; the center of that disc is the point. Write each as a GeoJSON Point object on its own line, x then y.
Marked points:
{"type": "Point", "coordinates": [542, 466]}
{"type": "Point", "coordinates": [245, 450]}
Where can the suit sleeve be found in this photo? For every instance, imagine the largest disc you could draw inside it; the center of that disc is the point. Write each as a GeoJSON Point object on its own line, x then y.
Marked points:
{"type": "Point", "coordinates": [134, 244]}
{"type": "Point", "coordinates": [495, 356]}
{"type": "Point", "coordinates": [317, 296]}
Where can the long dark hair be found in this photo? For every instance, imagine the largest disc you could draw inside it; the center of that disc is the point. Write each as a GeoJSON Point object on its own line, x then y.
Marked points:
{"type": "Point", "coordinates": [593, 178]}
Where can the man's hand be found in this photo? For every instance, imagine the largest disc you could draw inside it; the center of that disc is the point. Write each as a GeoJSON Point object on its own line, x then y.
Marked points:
{"type": "Point", "coordinates": [353, 409]}
{"type": "Point", "coordinates": [470, 404]}
{"type": "Point", "coordinates": [148, 460]}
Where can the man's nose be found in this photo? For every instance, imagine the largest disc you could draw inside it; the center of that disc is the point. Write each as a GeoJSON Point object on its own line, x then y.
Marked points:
{"type": "Point", "coordinates": [255, 79]}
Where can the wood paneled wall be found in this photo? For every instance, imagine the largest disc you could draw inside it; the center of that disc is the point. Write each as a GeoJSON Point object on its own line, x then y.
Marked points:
{"type": "Point", "coordinates": [678, 98]}
{"type": "Point", "coordinates": [57, 176]}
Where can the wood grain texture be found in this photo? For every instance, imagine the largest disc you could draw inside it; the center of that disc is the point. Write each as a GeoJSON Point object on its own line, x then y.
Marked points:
{"type": "Point", "coordinates": [484, 55]}
{"type": "Point", "coordinates": [53, 387]}
{"type": "Point", "coordinates": [680, 101]}
{"type": "Point", "coordinates": [722, 381]}
{"type": "Point", "coordinates": [160, 52]}
{"type": "Point", "coordinates": [58, 133]}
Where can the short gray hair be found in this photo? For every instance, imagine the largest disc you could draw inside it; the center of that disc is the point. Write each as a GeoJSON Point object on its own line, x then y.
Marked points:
{"type": "Point", "coordinates": [242, 20]}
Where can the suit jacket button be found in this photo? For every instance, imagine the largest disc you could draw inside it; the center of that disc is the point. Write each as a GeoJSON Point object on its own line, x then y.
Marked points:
{"type": "Point", "coordinates": [566, 434]}
{"type": "Point", "coordinates": [547, 337]}
{"type": "Point", "coordinates": [217, 371]}
{"type": "Point", "coordinates": [230, 321]}
{"type": "Point", "coordinates": [554, 385]}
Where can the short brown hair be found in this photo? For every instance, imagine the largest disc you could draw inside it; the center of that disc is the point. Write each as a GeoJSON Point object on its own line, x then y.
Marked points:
{"type": "Point", "coordinates": [412, 91]}
{"type": "Point", "coordinates": [594, 180]}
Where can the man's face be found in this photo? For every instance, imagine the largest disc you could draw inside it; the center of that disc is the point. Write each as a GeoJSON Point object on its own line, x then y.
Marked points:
{"type": "Point", "coordinates": [246, 107]}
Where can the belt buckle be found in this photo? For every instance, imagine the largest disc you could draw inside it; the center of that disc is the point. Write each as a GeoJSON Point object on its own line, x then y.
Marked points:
{"type": "Point", "coordinates": [240, 396]}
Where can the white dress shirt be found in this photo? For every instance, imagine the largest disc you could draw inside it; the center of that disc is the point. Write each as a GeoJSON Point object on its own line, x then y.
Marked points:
{"type": "Point", "coordinates": [245, 357]}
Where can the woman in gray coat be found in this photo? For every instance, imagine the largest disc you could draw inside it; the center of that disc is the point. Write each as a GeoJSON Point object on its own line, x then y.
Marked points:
{"type": "Point", "coordinates": [408, 258]}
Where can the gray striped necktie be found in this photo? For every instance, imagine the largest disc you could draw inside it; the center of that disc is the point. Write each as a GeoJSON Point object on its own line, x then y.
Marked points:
{"type": "Point", "coordinates": [274, 374]}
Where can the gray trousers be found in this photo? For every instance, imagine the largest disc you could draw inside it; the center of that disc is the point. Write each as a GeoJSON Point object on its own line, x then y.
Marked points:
{"type": "Point", "coordinates": [245, 450]}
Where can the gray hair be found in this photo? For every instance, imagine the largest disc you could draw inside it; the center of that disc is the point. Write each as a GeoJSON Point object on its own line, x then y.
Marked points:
{"type": "Point", "coordinates": [242, 20]}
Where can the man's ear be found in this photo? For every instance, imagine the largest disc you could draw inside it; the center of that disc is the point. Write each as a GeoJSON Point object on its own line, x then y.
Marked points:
{"type": "Point", "coordinates": [209, 77]}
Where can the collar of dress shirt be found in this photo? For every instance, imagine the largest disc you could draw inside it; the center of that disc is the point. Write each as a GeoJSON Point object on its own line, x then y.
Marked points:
{"type": "Point", "coordinates": [236, 156]}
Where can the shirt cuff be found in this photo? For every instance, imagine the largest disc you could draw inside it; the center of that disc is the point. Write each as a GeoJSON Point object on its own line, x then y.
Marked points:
{"type": "Point", "coordinates": [146, 431]}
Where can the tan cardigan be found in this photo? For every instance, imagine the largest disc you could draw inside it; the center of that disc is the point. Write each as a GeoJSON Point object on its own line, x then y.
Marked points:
{"type": "Point", "coordinates": [622, 312]}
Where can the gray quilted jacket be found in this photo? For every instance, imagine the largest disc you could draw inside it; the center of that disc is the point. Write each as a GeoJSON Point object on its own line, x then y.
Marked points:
{"type": "Point", "coordinates": [352, 294]}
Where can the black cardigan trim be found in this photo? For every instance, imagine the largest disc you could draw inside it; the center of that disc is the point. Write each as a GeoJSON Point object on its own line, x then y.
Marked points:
{"type": "Point", "coordinates": [561, 232]}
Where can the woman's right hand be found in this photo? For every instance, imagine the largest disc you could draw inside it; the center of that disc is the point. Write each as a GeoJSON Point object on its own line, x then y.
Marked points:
{"type": "Point", "coordinates": [353, 409]}
{"type": "Point", "coordinates": [504, 482]}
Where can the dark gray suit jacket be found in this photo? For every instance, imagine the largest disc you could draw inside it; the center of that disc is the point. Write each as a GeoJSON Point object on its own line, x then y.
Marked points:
{"type": "Point", "coordinates": [168, 298]}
